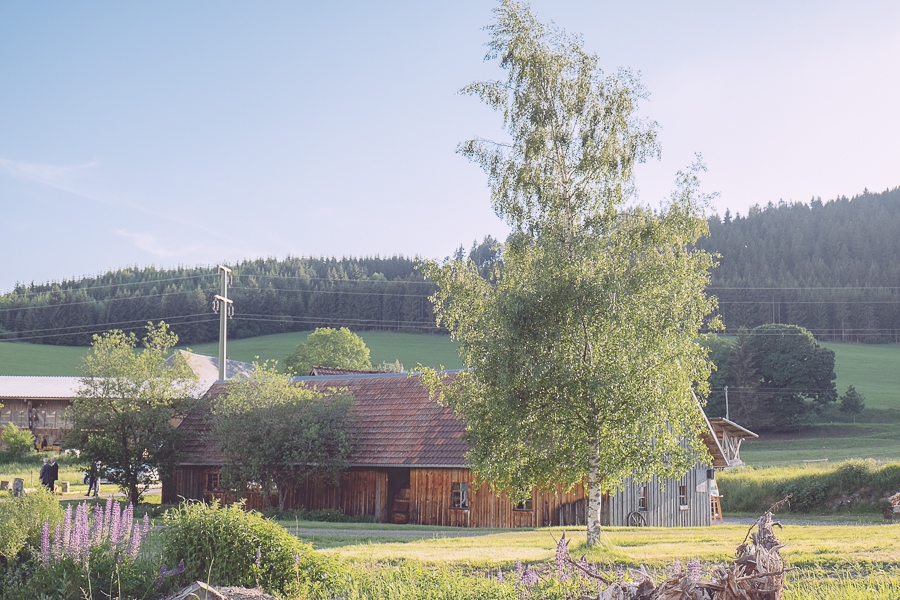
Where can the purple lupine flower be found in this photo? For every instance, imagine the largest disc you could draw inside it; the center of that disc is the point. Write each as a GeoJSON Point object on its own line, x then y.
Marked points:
{"type": "Point", "coordinates": [83, 528]}
{"type": "Point", "coordinates": [45, 544]}
{"type": "Point", "coordinates": [529, 577]}
{"type": "Point", "coordinates": [620, 575]}
{"type": "Point", "coordinates": [562, 552]}
{"type": "Point", "coordinates": [163, 573]}
{"type": "Point", "coordinates": [135, 542]}
{"type": "Point", "coordinates": [107, 519]}
{"type": "Point", "coordinates": [499, 574]}
{"type": "Point", "coordinates": [57, 542]}
{"type": "Point", "coordinates": [146, 529]}
{"type": "Point", "coordinates": [676, 568]}
{"type": "Point", "coordinates": [114, 529]}
{"type": "Point", "coordinates": [128, 519]}
{"type": "Point", "coordinates": [694, 569]}
{"type": "Point", "coordinates": [67, 530]}
{"type": "Point", "coordinates": [76, 543]}
{"type": "Point", "coordinates": [258, 561]}
{"type": "Point", "coordinates": [97, 525]}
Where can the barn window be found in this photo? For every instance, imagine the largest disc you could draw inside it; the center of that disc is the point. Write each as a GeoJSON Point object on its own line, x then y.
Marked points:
{"type": "Point", "coordinates": [212, 481]}
{"type": "Point", "coordinates": [642, 498]}
{"type": "Point", "coordinates": [527, 504]}
{"type": "Point", "coordinates": [460, 498]}
{"type": "Point", "coordinates": [682, 497]}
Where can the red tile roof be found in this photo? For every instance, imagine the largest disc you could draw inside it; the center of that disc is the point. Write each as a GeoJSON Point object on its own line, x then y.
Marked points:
{"type": "Point", "coordinates": [397, 423]}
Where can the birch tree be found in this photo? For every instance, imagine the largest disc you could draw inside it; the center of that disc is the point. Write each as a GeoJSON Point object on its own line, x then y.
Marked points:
{"type": "Point", "coordinates": [580, 360]}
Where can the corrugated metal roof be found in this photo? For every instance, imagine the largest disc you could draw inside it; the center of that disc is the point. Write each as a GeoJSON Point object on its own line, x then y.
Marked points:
{"type": "Point", "coordinates": [22, 386]}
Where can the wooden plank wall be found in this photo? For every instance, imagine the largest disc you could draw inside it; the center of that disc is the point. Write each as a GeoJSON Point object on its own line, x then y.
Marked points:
{"type": "Point", "coordinates": [663, 508]}
{"type": "Point", "coordinates": [361, 492]}
{"type": "Point", "coordinates": [364, 492]}
{"type": "Point", "coordinates": [431, 492]}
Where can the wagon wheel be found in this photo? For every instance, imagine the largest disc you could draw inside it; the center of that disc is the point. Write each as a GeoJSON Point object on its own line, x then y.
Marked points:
{"type": "Point", "coordinates": [636, 519]}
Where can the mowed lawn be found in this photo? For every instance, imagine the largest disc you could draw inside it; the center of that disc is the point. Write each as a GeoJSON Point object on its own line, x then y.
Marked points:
{"type": "Point", "coordinates": [385, 346]}
{"type": "Point", "coordinates": [874, 370]}
{"type": "Point", "coordinates": [806, 546]}
{"type": "Point", "coordinates": [409, 348]}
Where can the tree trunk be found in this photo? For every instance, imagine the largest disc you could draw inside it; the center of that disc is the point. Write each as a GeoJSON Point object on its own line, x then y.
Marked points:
{"type": "Point", "coordinates": [595, 497]}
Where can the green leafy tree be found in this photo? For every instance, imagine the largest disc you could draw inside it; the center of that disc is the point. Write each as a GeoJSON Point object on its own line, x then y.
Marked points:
{"type": "Point", "coordinates": [278, 434]}
{"type": "Point", "coordinates": [581, 359]}
{"type": "Point", "coordinates": [852, 402]}
{"type": "Point", "coordinates": [328, 347]}
{"type": "Point", "coordinates": [16, 441]}
{"type": "Point", "coordinates": [127, 400]}
{"type": "Point", "coordinates": [796, 375]}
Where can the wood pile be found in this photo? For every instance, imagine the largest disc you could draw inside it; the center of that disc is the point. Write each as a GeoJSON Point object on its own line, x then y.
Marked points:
{"type": "Point", "coordinates": [757, 573]}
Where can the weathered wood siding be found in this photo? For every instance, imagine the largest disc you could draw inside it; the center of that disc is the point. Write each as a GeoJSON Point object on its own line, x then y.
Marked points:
{"type": "Point", "coordinates": [365, 492]}
{"type": "Point", "coordinates": [663, 508]}
{"type": "Point", "coordinates": [431, 495]}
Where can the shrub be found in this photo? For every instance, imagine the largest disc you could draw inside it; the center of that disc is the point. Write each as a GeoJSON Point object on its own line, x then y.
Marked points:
{"type": "Point", "coordinates": [92, 553]}
{"type": "Point", "coordinates": [22, 519]}
{"type": "Point", "coordinates": [227, 546]}
{"type": "Point", "coordinates": [17, 441]}
{"type": "Point", "coordinates": [328, 515]}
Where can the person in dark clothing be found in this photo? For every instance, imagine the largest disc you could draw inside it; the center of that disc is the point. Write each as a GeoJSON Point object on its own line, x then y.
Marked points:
{"type": "Point", "coordinates": [46, 475]}
{"type": "Point", "coordinates": [54, 473]}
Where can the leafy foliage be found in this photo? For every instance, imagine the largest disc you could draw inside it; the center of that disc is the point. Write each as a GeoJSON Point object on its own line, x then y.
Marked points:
{"type": "Point", "coordinates": [328, 347]}
{"type": "Point", "coordinates": [17, 441]}
{"type": "Point", "coordinates": [778, 376]}
{"type": "Point", "coordinates": [227, 545]}
{"type": "Point", "coordinates": [121, 416]}
{"type": "Point", "coordinates": [279, 434]}
{"type": "Point", "coordinates": [852, 402]}
{"type": "Point", "coordinates": [849, 486]}
{"type": "Point", "coordinates": [21, 520]}
{"type": "Point", "coordinates": [580, 359]}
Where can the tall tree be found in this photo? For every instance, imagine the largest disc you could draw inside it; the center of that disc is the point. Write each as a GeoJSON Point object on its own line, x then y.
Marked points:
{"type": "Point", "coordinates": [123, 411]}
{"type": "Point", "coordinates": [580, 360]}
{"type": "Point", "coordinates": [796, 375]}
{"type": "Point", "coordinates": [328, 347]}
{"type": "Point", "coordinates": [279, 434]}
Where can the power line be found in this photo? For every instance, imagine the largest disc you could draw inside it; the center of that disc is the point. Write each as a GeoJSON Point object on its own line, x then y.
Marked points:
{"type": "Point", "coordinates": [90, 330]}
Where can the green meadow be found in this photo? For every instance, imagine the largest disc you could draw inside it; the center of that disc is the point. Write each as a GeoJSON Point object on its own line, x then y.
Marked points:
{"type": "Point", "coordinates": [873, 369]}
{"type": "Point", "coordinates": [385, 346]}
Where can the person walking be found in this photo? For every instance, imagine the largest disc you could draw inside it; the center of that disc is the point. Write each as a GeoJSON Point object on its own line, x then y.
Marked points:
{"type": "Point", "coordinates": [94, 479]}
{"type": "Point", "coordinates": [54, 473]}
{"type": "Point", "coordinates": [46, 475]}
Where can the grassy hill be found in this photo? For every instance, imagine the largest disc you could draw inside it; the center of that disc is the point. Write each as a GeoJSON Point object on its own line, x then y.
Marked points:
{"type": "Point", "coordinates": [408, 348]}
{"type": "Point", "coordinates": [873, 369]}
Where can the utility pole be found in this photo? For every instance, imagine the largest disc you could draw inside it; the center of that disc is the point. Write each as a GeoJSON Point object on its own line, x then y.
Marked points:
{"type": "Point", "coordinates": [225, 308]}
{"type": "Point", "coordinates": [726, 404]}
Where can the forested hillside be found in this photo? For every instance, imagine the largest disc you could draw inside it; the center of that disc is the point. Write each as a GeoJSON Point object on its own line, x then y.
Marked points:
{"type": "Point", "coordinates": [270, 296]}
{"type": "Point", "coordinates": [832, 267]}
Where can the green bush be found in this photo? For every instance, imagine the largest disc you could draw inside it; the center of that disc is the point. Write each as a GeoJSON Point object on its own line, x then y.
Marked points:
{"type": "Point", "coordinates": [328, 515]}
{"type": "Point", "coordinates": [226, 545]}
{"type": "Point", "coordinates": [106, 577]}
{"type": "Point", "coordinates": [22, 520]}
{"type": "Point", "coordinates": [16, 441]}
{"type": "Point", "coordinates": [853, 485]}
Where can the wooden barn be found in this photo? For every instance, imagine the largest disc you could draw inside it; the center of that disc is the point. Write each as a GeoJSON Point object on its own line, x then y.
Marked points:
{"type": "Point", "coordinates": [409, 466]}
{"type": "Point", "coordinates": [39, 403]}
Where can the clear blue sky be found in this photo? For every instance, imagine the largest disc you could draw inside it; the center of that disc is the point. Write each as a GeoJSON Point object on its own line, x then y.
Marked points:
{"type": "Point", "coordinates": [171, 133]}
